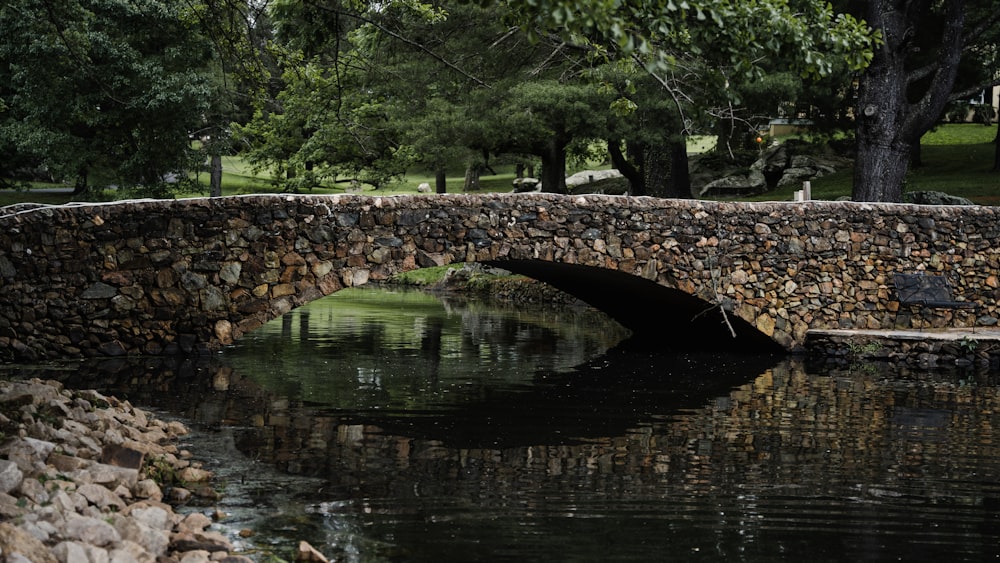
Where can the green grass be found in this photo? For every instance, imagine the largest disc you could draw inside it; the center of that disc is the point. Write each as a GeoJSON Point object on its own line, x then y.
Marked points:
{"type": "Point", "coordinates": [958, 159]}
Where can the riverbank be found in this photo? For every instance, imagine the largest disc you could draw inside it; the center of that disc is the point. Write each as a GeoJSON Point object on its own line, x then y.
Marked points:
{"type": "Point", "coordinates": [87, 477]}
{"type": "Point", "coordinates": [484, 282]}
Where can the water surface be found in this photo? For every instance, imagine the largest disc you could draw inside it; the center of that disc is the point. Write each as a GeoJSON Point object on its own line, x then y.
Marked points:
{"type": "Point", "coordinates": [384, 425]}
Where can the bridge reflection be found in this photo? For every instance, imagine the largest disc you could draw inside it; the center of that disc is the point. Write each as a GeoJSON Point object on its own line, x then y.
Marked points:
{"type": "Point", "coordinates": [770, 460]}
{"type": "Point", "coordinates": [834, 432]}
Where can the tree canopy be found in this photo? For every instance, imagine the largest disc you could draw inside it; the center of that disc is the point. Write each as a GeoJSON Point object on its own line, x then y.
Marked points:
{"type": "Point", "coordinates": [113, 91]}
{"type": "Point", "coordinates": [106, 89]}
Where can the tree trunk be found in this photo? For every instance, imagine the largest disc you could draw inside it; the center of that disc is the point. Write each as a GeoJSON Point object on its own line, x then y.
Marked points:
{"type": "Point", "coordinates": [667, 171]}
{"type": "Point", "coordinates": [81, 187]}
{"type": "Point", "coordinates": [215, 176]}
{"type": "Point", "coordinates": [679, 181]}
{"type": "Point", "coordinates": [657, 171]}
{"type": "Point", "coordinates": [471, 178]}
{"type": "Point", "coordinates": [889, 124]}
{"type": "Point", "coordinates": [440, 184]}
{"type": "Point", "coordinates": [880, 172]}
{"type": "Point", "coordinates": [632, 172]}
{"type": "Point", "coordinates": [996, 150]}
{"type": "Point", "coordinates": [554, 167]}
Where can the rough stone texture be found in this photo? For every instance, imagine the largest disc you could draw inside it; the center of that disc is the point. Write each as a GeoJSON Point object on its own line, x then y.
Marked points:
{"type": "Point", "coordinates": [926, 349]}
{"type": "Point", "coordinates": [64, 505]}
{"type": "Point", "coordinates": [188, 276]}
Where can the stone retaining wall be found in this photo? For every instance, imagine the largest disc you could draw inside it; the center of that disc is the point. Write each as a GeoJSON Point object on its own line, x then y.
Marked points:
{"type": "Point", "coordinates": [922, 350]}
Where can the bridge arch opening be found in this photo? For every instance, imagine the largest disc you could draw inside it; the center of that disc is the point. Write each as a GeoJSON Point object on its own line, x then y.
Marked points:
{"type": "Point", "coordinates": [659, 316]}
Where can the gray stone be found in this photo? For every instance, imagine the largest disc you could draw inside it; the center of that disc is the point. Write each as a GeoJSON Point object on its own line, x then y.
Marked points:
{"type": "Point", "coordinates": [18, 545]}
{"type": "Point", "coordinates": [524, 185]}
{"type": "Point", "coordinates": [100, 496]}
{"type": "Point", "coordinates": [154, 540]}
{"type": "Point", "coordinates": [10, 476]}
{"type": "Point", "coordinates": [230, 272]}
{"type": "Point", "coordinates": [7, 269]}
{"type": "Point", "coordinates": [934, 198]}
{"type": "Point", "coordinates": [70, 552]}
{"type": "Point", "coordinates": [99, 291]}
{"type": "Point", "coordinates": [89, 530]}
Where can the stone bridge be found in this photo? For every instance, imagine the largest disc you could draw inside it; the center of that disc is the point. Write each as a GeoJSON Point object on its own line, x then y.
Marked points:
{"type": "Point", "coordinates": [189, 276]}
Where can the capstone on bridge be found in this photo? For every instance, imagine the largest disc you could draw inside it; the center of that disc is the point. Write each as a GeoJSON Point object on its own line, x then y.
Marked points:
{"type": "Point", "coordinates": [187, 276]}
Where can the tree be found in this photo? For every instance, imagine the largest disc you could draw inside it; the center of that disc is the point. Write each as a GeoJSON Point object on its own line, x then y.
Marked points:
{"type": "Point", "coordinates": [107, 90]}
{"type": "Point", "coordinates": [906, 89]}
{"type": "Point", "coordinates": [546, 116]}
{"type": "Point", "coordinates": [442, 79]}
{"type": "Point", "coordinates": [239, 32]}
{"type": "Point", "coordinates": [699, 50]}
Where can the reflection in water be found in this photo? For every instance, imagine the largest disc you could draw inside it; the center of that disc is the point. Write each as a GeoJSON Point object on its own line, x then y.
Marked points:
{"type": "Point", "coordinates": [492, 450]}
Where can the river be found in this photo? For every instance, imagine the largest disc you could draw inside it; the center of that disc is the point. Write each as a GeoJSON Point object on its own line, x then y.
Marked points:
{"type": "Point", "coordinates": [390, 425]}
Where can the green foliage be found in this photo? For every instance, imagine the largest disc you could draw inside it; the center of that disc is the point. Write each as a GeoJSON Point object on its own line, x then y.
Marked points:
{"type": "Point", "coordinates": [325, 126]}
{"type": "Point", "coordinates": [103, 90]}
{"type": "Point", "coordinates": [738, 35]}
{"type": "Point", "coordinates": [968, 345]}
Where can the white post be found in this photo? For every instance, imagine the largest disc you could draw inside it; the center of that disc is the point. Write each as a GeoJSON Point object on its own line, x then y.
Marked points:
{"type": "Point", "coordinates": [806, 191]}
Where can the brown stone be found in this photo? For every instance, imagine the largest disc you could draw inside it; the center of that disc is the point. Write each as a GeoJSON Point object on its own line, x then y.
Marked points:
{"type": "Point", "coordinates": [309, 553]}
{"type": "Point", "coordinates": [121, 456]}
{"type": "Point", "coordinates": [282, 289]}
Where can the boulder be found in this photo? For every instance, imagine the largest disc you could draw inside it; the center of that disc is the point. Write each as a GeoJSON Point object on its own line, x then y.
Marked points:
{"type": "Point", "coordinates": [788, 163]}
{"type": "Point", "coordinates": [752, 182]}
{"type": "Point", "coordinates": [610, 182]}
{"type": "Point", "coordinates": [934, 198]}
{"type": "Point", "coordinates": [522, 185]}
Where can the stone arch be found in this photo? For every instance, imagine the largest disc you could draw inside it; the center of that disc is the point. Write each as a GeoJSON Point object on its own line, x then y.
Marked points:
{"type": "Point", "coordinates": [667, 317]}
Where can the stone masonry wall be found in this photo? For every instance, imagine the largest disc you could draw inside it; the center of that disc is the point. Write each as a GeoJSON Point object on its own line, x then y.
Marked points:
{"type": "Point", "coordinates": [188, 276]}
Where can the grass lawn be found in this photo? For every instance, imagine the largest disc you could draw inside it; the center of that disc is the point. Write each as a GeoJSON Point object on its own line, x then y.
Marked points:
{"type": "Point", "coordinates": [958, 159]}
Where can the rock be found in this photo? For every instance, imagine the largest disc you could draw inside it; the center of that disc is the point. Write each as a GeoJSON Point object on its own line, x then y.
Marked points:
{"type": "Point", "coordinates": [206, 541]}
{"type": "Point", "coordinates": [15, 543]}
{"type": "Point", "coordinates": [194, 522]}
{"type": "Point", "coordinates": [610, 182]}
{"type": "Point", "coordinates": [93, 531]}
{"type": "Point", "coordinates": [934, 198]}
{"type": "Point", "coordinates": [196, 556]}
{"type": "Point", "coordinates": [788, 163]}
{"type": "Point", "coordinates": [522, 185]}
{"type": "Point", "coordinates": [155, 540]}
{"type": "Point", "coordinates": [179, 495]}
{"type": "Point", "coordinates": [193, 475]}
{"type": "Point", "coordinates": [148, 489]}
{"type": "Point", "coordinates": [10, 476]}
{"type": "Point", "coordinates": [101, 497]}
{"type": "Point", "coordinates": [424, 188]}
{"type": "Point", "coordinates": [121, 456]}
{"type": "Point", "coordinates": [73, 551]}
{"type": "Point", "coordinates": [309, 553]}
{"type": "Point", "coordinates": [113, 476]}
{"type": "Point", "coordinates": [68, 507]}
{"type": "Point", "coordinates": [743, 184]}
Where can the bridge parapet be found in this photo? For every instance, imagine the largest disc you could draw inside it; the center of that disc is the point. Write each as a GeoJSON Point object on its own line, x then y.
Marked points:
{"type": "Point", "coordinates": [186, 276]}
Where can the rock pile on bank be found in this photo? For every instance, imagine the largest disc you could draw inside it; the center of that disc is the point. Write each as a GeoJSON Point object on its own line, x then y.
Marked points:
{"type": "Point", "coordinates": [83, 478]}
